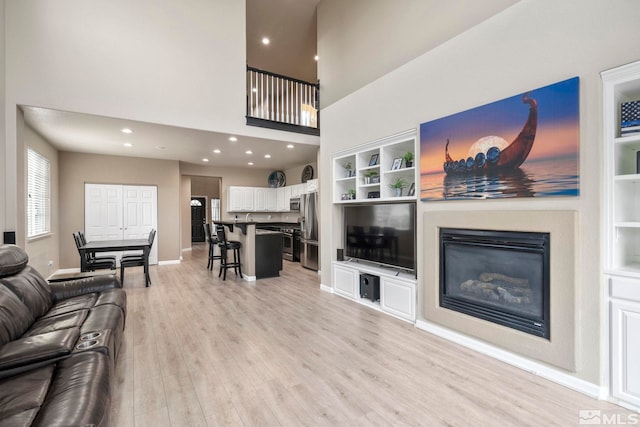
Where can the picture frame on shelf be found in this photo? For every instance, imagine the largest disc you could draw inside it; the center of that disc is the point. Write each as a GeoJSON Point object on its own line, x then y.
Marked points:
{"type": "Point", "coordinates": [412, 190]}
{"type": "Point", "coordinates": [397, 163]}
{"type": "Point", "coordinates": [373, 195]}
{"type": "Point", "coordinates": [374, 160]}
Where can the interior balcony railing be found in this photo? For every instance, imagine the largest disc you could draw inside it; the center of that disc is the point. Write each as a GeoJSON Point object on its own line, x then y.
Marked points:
{"type": "Point", "coordinates": [280, 102]}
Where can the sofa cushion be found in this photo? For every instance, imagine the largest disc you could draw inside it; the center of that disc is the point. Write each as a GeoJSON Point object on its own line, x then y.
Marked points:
{"type": "Point", "coordinates": [27, 351]}
{"type": "Point", "coordinates": [31, 289]}
{"type": "Point", "coordinates": [113, 296]}
{"type": "Point", "coordinates": [56, 323]}
{"type": "Point", "coordinates": [80, 392]}
{"type": "Point", "coordinates": [12, 260]}
{"type": "Point", "coordinates": [22, 395]}
{"type": "Point", "coordinates": [81, 302]}
{"type": "Point", "coordinates": [15, 317]}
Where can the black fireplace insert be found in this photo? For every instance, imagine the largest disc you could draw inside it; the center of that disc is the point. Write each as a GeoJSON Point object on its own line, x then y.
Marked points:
{"type": "Point", "coordinates": [499, 276]}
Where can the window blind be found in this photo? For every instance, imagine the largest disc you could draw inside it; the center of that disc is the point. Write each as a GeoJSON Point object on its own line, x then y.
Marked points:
{"type": "Point", "coordinates": [38, 198]}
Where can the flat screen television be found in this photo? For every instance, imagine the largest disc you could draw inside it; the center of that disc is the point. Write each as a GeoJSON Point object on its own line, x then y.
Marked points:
{"type": "Point", "coordinates": [382, 233]}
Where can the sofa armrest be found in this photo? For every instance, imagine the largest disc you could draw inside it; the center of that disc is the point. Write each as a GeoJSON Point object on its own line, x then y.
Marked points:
{"type": "Point", "coordinates": [88, 285]}
{"type": "Point", "coordinates": [35, 349]}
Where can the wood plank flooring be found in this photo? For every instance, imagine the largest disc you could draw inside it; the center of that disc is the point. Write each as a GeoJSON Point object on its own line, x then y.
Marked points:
{"type": "Point", "coordinates": [198, 351]}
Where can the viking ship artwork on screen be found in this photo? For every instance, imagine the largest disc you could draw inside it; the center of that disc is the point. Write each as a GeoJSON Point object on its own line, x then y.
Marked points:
{"type": "Point", "coordinates": [468, 155]}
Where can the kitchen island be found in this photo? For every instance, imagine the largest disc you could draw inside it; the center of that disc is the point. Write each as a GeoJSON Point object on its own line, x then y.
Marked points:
{"type": "Point", "coordinates": [261, 251]}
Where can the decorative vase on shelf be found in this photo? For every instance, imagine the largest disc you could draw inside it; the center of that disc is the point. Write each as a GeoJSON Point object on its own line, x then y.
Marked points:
{"type": "Point", "coordinates": [397, 192]}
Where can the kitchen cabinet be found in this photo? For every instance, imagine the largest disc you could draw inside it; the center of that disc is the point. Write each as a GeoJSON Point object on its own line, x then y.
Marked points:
{"type": "Point", "coordinates": [266, 199]}
{"type": "Point", "coordinates": [241, 199]}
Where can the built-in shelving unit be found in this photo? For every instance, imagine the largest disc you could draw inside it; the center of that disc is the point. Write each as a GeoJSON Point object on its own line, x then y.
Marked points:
{"type": "Point", "coordinates": [622, 235]}
{"type": "Point", "coordinates": [366, 172]}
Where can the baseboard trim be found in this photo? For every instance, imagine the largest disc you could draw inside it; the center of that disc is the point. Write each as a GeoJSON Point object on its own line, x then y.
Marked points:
{"type": "Point", "coordinates": [544, 371]}
{"type": "Point", "coordinates": [326, 288]}
{"type": "Point", "coordinates": [186, 249]}
{"type": "Point", "coordinates": [169, 262]}
{"type": "Point", "coordinates": [249, 278]}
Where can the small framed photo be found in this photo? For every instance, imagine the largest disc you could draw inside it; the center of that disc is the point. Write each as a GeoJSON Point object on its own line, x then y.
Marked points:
{"type": "Point", "coordinates": [396, 163]}
{"type": "Point", "coordinates": [412, 189]}
{"type": "Point", "coordinates": [374, 160]}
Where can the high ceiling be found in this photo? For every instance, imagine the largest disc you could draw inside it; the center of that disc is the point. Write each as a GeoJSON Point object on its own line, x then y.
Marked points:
{"type": "Point", "coordinates": [291, 28]}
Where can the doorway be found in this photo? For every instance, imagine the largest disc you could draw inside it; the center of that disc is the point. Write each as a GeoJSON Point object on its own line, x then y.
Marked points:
{"type": "Point", "coordinates": [198, 218]}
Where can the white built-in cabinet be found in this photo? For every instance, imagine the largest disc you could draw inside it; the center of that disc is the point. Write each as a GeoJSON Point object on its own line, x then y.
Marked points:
{"type": "Point", "coordinates": [397, 290]}
{"type": "Point", "coordinates": [368, 171]}
{"type": "Point", "coordinates": [622, 234]}
{"type": "Point", "coordinates": [262, 199]}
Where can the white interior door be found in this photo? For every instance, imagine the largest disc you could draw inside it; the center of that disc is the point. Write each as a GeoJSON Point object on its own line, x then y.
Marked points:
{"type": "Point", "coordinates": [121, 212]}
{"type": "Point", "coordinates": [140, 215]}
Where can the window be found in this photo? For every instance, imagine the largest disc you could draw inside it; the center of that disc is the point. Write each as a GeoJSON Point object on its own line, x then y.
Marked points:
{"type": "Point", "coordinates": [38, 194]}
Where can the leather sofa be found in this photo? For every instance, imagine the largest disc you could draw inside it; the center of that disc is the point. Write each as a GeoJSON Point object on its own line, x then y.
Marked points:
{"type": "Point", "coordinates": [58, 345]}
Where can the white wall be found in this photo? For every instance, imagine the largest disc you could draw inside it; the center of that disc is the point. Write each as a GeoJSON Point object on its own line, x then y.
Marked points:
{"type": "Point", "coordinates": [529, 45]}
{"type": "Point", "coordinates": [3, 155]}
{"type": "Point", "coordinates": [172, 62]}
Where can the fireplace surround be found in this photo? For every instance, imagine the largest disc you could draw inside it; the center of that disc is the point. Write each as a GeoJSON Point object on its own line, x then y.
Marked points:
{"type": "Point", "coordinates": [562, 226]}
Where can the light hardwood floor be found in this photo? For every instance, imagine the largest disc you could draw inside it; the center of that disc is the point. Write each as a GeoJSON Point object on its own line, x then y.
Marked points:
{"type": "Point", "coordinates": [200, 351]}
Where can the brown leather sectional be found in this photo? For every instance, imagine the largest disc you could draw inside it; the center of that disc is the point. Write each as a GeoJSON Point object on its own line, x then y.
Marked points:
{"type": "Point", "coordinates": [59, 343]}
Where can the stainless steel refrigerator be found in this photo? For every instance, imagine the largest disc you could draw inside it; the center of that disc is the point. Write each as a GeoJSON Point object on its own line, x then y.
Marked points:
{"type": "Point", "coordinates": [309, 230]}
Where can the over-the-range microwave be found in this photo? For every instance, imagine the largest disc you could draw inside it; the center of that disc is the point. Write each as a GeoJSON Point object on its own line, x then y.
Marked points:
{"type": "Point", "coordinates": [294, 204]}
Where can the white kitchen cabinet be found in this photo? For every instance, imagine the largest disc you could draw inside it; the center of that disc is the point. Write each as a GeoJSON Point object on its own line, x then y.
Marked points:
{"type": "Point", "coordinates": [241, 199]}
{"type": "Point", "coordinates": [266, 199]}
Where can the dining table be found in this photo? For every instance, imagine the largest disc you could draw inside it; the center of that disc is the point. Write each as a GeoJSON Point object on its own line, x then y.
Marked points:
{"type": "Point", "coordinates": [118, 245]}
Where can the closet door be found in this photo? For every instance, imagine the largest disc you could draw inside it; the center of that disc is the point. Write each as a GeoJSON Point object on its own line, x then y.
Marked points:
{"type": "Point", "coordinates": [121, 212]}
{"type": "Point", "coordinates": [103, 212]}
{"type": "Point", "coordinates": [140, 213]}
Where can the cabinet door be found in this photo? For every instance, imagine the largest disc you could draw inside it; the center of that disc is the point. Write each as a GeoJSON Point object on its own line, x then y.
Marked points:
{"type": "Point", "coordinates": [281, 206]}
{"type": "Point", "coordinates": [345, 281]}
{"type": "Point", "coordinates": [272, 199]}
{"type": "Point", "coordinates": [296, 190]}
{"type": "Point", "coordinates": [261, 199]}
{"type": "Point", "coordinates": [397, 297]}
{"type": "Point", "coordinates": [625, 351]}
{"type": "Point", "coordinates": [240, 199]}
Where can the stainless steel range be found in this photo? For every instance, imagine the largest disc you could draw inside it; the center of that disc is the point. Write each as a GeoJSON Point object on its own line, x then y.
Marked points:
{"type": "Point", "coordinates": [291, 243]}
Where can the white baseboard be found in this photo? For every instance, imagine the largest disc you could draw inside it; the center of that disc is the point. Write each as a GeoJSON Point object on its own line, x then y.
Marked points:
{"type": "Point", "coordinates": [169, 262]}
{"type": "Point", "coordinates": [249, 278]}
{"type": "Point", "coordinates": [544, 371]}
{"type": "Point", "coordinates": [326, 288]}
{"type": "Point", "coordinates": [186, 249]}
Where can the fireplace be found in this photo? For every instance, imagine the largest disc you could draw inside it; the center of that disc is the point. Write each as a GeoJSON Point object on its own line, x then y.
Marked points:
{"type": "Point", "coordinates": [498, 276]}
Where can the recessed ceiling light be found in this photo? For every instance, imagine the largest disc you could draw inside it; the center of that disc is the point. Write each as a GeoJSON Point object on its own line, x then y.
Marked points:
{"type": "Point", "coordinates": [217, 151]}
{"type": "Point", "coordinates": [233, 139]}
{"type": "Point", "coordinates": [248, 152]}
{"type": "Point", "coordinates": [126, 130]}
{"type": "Point", "coordinates": [205, 160]}
{"type": "Point", "coordinates": [254, 90]}
{"type": "Point", "coordinates": [128, 144]}
{"type": "Point", "coordinates": [250, 163]}
{"type": "Point", "coordinates": [290, 146]}
{"type": "Point", "coordinates": [267, 156]}
{"type": "Point", "coordinates": [265, 40]}
{"type": "Point", "coordinates": [316, 57]}
{"type": "Point", "coordinates": [160, 147]}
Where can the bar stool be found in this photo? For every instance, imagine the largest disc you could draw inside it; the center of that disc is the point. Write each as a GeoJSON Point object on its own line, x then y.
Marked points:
{"type": "Point", "coordinates": [226, 245]}
{"type": "Point", "coordinates": [212, 241]}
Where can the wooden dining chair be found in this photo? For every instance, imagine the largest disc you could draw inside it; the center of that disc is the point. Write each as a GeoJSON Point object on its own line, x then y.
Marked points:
{"type": "Point", "coordinates": [138, 260]}
{"type": "Point", "coordinates": [93, 256]}
{"type": "Point", "coordinates": [228, 245]}
{"type": "Point", "coordinates": [93, 263]}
